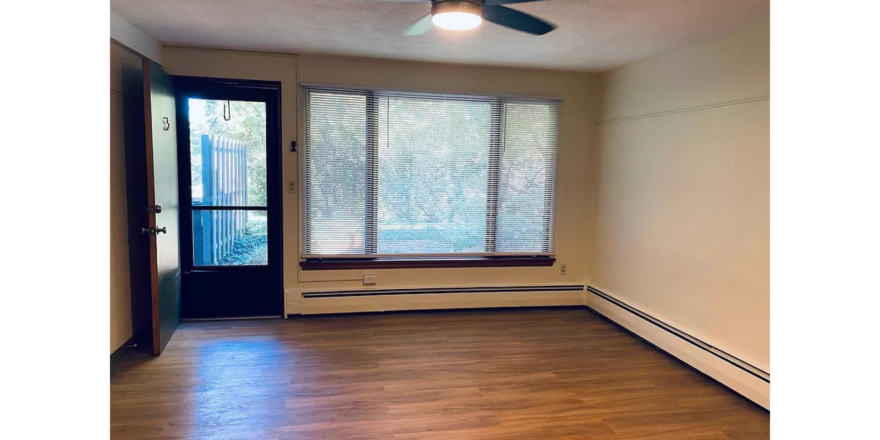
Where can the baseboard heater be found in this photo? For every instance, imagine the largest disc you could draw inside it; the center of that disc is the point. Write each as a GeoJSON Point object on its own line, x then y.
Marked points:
{"type": "Point", "coordinates": [443, 290]}
{"type": "Point", "coordinates": [715, 351]}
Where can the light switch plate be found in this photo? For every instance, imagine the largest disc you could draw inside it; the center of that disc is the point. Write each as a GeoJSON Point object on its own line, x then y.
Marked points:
{"type": "Point", "coordinates": [291, 187]}
{"type": "Point", "coordinates": [369, 279]}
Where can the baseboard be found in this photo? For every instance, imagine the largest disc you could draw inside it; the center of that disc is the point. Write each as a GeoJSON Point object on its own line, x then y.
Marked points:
{"type": "Point", "coordinates": [317, 301]}
{"type": "Point", "coordinates": [727, 369]}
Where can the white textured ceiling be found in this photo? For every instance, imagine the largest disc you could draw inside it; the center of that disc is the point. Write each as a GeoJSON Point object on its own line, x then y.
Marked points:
{"type": "Point", "coordinates": [592, 35]}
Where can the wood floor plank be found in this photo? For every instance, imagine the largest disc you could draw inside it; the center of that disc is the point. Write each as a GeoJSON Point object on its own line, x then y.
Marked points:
{"type": "Point", "coordinates": [558, 373]}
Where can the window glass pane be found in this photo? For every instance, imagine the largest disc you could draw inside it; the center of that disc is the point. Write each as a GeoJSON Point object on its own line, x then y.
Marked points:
{"type": "Point", "coordinates": [227, 157]}
{"type": "Point", "coordinates": [335, 174]}
{"type": "Point", "coordinates": [432, 175]}
{"type": "Point", "coordinates": [525, 189]}
{"type": "Point", "coordinates": [401, 173]}
{"type": "Point", "coordinates": [230, 238]}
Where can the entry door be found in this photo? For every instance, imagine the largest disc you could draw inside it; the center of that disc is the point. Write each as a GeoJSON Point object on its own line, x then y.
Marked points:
{"type": "Point", "coordinates": [162, 200]}
{"type": "Point", "coordinates": [229, 132]}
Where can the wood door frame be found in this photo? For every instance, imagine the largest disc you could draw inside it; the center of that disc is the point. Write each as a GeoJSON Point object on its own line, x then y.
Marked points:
{"type": "Point", "coordinates": [274, 173]}
{"type": "Point", "coordinates": [151, 216]}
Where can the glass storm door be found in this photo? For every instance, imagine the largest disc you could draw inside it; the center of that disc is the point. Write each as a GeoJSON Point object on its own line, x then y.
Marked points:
{"type": "Point", "coordinates": [229, 137]}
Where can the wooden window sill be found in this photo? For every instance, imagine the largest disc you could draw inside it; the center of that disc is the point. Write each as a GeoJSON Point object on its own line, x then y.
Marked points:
{"type": "Point", "coordinates": [424, 263]}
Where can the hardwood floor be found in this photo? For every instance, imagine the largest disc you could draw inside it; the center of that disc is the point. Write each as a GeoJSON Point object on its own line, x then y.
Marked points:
{"type": "Point", "coordinates": [490, 374]}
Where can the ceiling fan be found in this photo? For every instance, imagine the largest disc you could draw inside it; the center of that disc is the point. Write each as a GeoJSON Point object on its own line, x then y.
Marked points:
{"type": "Point", "coordinates": [459, 15]}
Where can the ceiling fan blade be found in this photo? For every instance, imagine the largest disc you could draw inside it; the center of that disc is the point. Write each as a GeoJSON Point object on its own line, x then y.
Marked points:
{"type": "Point", "coordinates": [517, 20]}
{"type": "Point", "coordinates": [420, 26]}
{"type": "Point", "coordinates": [508, 2]}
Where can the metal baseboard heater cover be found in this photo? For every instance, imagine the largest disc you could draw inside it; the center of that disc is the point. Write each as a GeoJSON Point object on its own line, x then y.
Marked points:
{"type": "Point", "coordinates": [441, 290]}
{"type": "Point", "coordinates": [717, 352]}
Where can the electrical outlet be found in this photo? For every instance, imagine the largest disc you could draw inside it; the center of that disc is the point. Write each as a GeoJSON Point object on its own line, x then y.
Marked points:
{"type": "Point", "coordinates": [369, 279]}
{"type": "Point", "coordinates": [291, 187]}
{"type": "Point", "coordinates": [563, 269]}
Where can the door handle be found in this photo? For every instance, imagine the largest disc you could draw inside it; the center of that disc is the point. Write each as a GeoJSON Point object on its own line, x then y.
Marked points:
{"type": "Point", "coordinates": [154, 231]}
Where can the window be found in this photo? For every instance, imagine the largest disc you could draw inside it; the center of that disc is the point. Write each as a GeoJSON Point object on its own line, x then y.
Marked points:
{"type": "Point", "coordinates": [405, 174]}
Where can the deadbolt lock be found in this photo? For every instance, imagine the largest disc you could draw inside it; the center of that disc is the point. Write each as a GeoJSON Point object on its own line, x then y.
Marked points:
{"type": "Point", "coordinates": [155, 209]}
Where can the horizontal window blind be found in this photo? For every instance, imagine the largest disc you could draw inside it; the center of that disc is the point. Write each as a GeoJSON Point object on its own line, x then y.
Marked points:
{"type": "Point", "coordinates": [393, 173]}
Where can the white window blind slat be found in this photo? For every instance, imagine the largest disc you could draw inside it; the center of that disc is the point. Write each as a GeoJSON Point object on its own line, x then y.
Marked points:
{"type": "Point", "coordinates": [391, 173]}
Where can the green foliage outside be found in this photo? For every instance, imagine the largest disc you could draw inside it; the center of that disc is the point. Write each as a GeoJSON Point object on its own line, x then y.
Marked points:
{"type": "Point", "coordinates": [247, 123]}
{"type": "Point", "coordinates": [250, 248]}
{"type": "Point", "coordinates": [431, 179]}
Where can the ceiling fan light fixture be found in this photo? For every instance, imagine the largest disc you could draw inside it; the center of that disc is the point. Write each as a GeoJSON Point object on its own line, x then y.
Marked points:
{"type": "Point", "coordinates": [457, 15]}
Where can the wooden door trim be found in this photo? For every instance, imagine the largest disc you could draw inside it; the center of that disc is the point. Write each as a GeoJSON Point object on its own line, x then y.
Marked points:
{"type": "Point", "coordinates": [151, 200]}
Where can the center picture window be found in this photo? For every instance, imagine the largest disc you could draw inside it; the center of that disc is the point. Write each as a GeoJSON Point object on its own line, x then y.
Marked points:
{"type": "Point", "coordinates": [405, 174]}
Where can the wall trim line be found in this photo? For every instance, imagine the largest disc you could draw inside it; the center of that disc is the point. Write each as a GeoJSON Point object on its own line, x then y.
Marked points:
{"type": "Point", "coordinates": [684, 110]}
{"type": "Point", "coordinates": [715, 351]}
{"type": "Point", "coordinates": [441, 290]}
{"type": "Point", "coordinates": [233, 51]}
{"type": "Point", "coordinates": [675, 358]}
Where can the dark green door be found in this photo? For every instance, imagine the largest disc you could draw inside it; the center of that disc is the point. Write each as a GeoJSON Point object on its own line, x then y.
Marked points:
{"type": "Point", "coordinates": [162, 200]}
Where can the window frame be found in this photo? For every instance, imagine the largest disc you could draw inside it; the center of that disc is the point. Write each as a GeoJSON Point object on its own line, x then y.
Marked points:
{"type": "Point", "coordinates": [432, 260]}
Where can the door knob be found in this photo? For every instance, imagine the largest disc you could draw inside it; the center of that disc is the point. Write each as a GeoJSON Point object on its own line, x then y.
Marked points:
{"type": "Point", "coordinates": [154, 231]}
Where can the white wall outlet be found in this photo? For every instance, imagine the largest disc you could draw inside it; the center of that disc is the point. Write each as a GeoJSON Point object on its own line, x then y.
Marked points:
{"type": "Point", "coordinates": [291, 187]}
{"type": "Point", "coordinates": [563, 269]}
{"type": "Point", "coordinates": [369, 279]}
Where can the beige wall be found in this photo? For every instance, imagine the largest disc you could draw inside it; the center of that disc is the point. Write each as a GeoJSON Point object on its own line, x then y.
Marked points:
{"type": "Point", "coordinates": [122, 89]}
{"type": "Point", "coordinates": [580, 94]}
{"type": "Point", "coordinates": [134, 39]}
{"type": "Point", "coordinates": [682, 195]}
{"type": "Point", "coordinates": [581, 98]}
